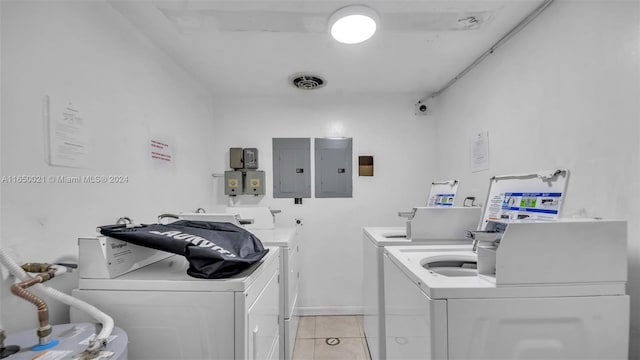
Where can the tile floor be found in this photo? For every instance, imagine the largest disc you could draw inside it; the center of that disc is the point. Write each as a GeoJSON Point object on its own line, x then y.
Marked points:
{"type": "Point", "coordinates": [315, 333]}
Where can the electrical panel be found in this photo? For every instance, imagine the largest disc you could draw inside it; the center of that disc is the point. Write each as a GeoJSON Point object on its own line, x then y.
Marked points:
{"type": "Point", "coordinates": [291, 168]}
{"type": "Point", "coordinates": [333, 167]}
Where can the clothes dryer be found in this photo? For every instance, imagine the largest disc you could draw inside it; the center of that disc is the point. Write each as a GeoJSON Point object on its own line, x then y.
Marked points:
{"type": "Point", "coordinates": [169, 315]}
{"type": "Point", "coordinates": [260, 220]}
{"type": "Point", "coordinates": [286, 239]}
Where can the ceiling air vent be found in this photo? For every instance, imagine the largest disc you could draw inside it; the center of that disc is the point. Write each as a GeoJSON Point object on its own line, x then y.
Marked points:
{"type": "Point", "coordinates": [307, 81]}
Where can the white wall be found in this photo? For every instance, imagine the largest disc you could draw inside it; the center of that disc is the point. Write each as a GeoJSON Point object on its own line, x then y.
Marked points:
{"type": "Point", "coordinates": [383, 126]}
{"type": "Point", "coordinates": [2, 290]}
{"type": "Point", "coordinates": [128, 91]}
{"type": "Point", "coordinates": [562, 93]}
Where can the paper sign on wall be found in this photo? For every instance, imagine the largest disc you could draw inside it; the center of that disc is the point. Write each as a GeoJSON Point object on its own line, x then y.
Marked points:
{"type": "Point", "coordinates": [67, 135]}
{"type": "Point", "coordinates": [161, 152]}
{"type": "Point", "coordinates": [480, 152]}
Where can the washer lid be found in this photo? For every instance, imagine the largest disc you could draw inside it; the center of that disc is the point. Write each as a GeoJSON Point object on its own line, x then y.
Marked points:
{"type": "Point", "coordinates": [170, 274]}
{"type": "Point", "coordinates": [411, 260]}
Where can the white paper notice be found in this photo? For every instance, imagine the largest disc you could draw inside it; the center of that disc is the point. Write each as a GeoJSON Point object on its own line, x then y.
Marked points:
{"type": "Point", "coordinates": [68, 136]}
{"type": "Point", "coordinates": [161, 152]}
{"type": "Point", "coordinates": [480, 152]}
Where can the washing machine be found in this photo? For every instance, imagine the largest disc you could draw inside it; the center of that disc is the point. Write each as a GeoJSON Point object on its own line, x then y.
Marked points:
{"type": "Point", "coordinates": [534, 290]}
{"type": "Point", "coordinates": [425, 225]}
{"type": "Point", "coordinates": [260, 220]}
{"type": "Point", "coordinates": [169, 315]}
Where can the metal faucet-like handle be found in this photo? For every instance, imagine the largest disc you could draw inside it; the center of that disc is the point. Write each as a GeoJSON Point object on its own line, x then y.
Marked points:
{"type": "Point", "coordinates": [164, 216]}
{"type": "Point", "coordinates": [124, 220]}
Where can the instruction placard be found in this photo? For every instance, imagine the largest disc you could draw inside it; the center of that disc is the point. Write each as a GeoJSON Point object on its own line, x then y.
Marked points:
{"type": "Point", "coordinates": [536, 196]}
{"type": "Point", "coordinates": [67, 134]}
{"type": "Point", "coordinates": [443, 193]}
{"type": "Point", "coordinates": [523, 205]}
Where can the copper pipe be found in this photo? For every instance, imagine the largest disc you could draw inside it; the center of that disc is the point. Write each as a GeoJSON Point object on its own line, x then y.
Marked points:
{"type": "Point", "coordinates": [44, 331]}
{"type": "Point", "coordinates": [36, 267]}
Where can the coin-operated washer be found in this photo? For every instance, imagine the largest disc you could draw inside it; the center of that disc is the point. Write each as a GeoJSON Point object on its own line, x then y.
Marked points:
{"type": "Point", "coordinates": [442, 226]}
{"type": "Point", "coordinates": [260, 220]}
{"type": "Point", "coordinates": [536, 285]}
{"type": "Point", "coordinates": [170, 315]}
{"type": "Point", "coordinates": [438, 222]}
{"type": "Point", "coordinates": [542, 290]}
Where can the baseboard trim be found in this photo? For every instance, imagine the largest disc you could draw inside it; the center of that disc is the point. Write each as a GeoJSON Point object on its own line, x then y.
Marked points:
{"type": "Point", "coordinates": [328, 310]}
{"type": "Point", "coordinates": [634, 343]}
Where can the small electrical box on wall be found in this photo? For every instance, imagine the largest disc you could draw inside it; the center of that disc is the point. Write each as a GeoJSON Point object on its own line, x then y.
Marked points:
{"type": "Point", "coordinates": [244, 179]}
{"type": "Point", "coordinates": [236, 158]}
{"type": "Point", "coordinates": [232, 183]}
{"type": "Point", "coordinates": [250, 158]}
{"type": "Point", "coordinates": [253, 183]}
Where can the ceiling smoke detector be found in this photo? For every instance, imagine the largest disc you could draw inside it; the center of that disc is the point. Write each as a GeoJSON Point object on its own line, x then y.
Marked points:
{"type": "Point", "coordinates": [307, 81]}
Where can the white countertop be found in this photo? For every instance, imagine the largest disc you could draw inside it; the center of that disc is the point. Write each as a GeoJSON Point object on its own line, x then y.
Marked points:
{"type": "Point", "coordinates": [279, 236]}
{"type": "Point", "coordinates": [391, 236]}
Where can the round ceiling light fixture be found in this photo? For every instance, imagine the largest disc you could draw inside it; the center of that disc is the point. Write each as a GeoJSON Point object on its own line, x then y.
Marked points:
{"type": "Point", "coordinates": [353, 24]}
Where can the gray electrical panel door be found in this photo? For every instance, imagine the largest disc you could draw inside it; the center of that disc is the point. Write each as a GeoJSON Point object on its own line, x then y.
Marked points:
{"type": "Point", "coordinates": [333, 168]}
{"type": "Point", "coordinates": [291, 168]}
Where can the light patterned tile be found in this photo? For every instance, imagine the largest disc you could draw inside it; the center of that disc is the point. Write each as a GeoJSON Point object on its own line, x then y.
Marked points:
{"type": "Point", "coordinates": [306, 327]}
{"type": "Point", "coordinates": [360, 320]}
{"type": "Point", "coordinates": [337, 326]}
{"type": "Point", "coordinates": [304, 349]}
{"type": "Point", "coordinates": [348, 349]}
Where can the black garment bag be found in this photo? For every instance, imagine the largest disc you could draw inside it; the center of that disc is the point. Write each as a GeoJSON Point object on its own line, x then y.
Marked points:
{"type": "Point", "coordinates": [214, 250]}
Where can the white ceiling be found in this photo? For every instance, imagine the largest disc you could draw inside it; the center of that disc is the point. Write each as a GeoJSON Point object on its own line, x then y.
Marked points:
{"type": "Point", "coordinates": [252, 47]}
